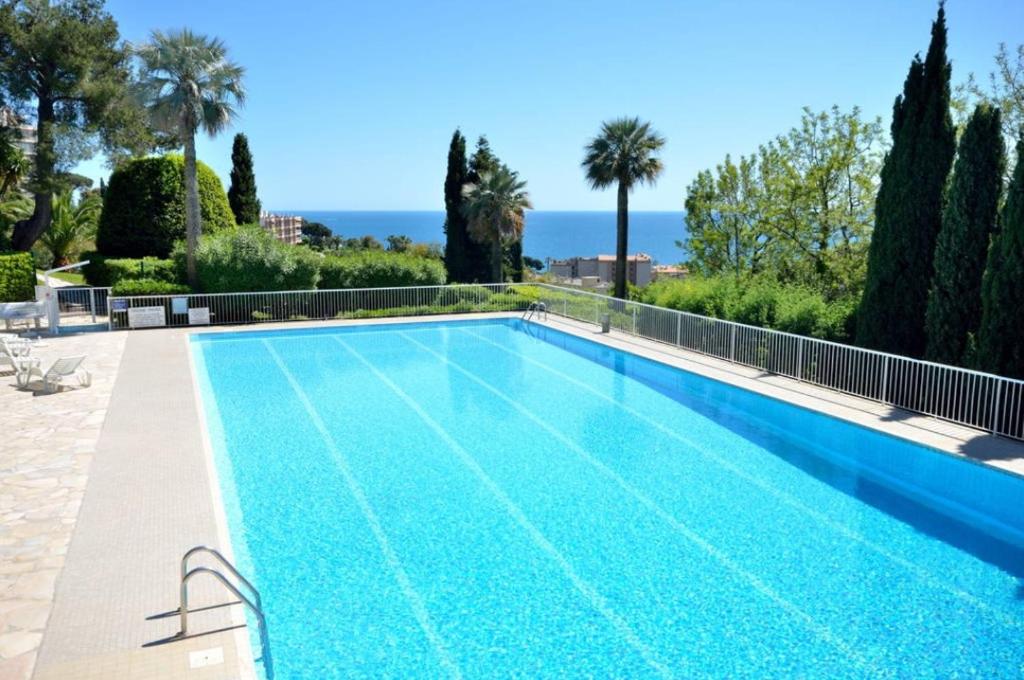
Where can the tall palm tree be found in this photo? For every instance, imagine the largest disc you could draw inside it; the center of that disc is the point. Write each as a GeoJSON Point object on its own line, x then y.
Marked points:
{"type": "Point", "coordinates": [623, 153]}
{"type": "Point", "coordinates": [495, 208]}
{"type": "Point", "coordinates": [72, 227]}
{"type": "Point", "coordinates": [188, 83]}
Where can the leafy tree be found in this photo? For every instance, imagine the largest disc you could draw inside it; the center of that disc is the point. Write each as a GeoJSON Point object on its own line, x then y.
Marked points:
{"type": "Point", "coordinates": [495, 208]}
{"type": "Point", "coordinates": [455, 228]}
{"type": "Point", "coordinates": [399, 243]}
{"type": "Point", "coordinates": [144, 206]}
{"type": "Point", "coordinates": [318, 236]}
{"type": "Point", "coordinates": [64, 60]}
{"type": "Point", "coordinates": [1005, 91]}
{"type": "Point", "coordinates": [533, 263]}
{"type": "Point", "coordinates": [623, 154]}
{"type": "Point", "coordinates": [188, 83]}
{"type": "Point", "coordinates": [1000, 349]}
{"type": "Point", "coordinates": [73, 226]}
{"type": "Point", "coordinates": [362, 243]}
{"type": "Point", "coordinates": [908, 210]}
{"type": "Point", "coordinates": [14, 166]}
{"type": "Point", "coordinates": [242, 192]}
{"type": "Point", "coordinates": [801, 208]}
{"type": "Point", "coordinates": [970, 218]}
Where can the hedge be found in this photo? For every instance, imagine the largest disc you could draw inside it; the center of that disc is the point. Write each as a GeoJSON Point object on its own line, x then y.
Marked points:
{"type": "Point", "coordinates": [17, 277]}
{"type": "Point", "coordinates": [108, 271]}
{"type": "Point", "coordinates": [147, 287]}
{"type": "Point", "coordinates": [757, 301]}
{"type": "Point", "coordinates": [380, 269]}
{"type": "Point", "coordinates": [249, 258]}
{"type": "Point", "coordinates": [144, 207]}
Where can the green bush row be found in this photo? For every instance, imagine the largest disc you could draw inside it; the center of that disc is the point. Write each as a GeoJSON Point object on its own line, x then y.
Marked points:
{"type": "Point", "coordinates": [126, 287]}
{"type": "Point", "coordinates": [17, 277]}
{"type": "Point", "coordinates": [379, 269]}
{"type": "Point", "coordinates": [759, 302]}
{"type": "Point", "coordinates": [109, 271]}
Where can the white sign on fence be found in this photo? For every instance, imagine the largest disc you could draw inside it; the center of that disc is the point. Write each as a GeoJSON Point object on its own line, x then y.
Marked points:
{"type": "Point", "coordinates": [146, 317]}
{"type": "Point", "coordinates": [199, 316]}
{"type": "Point", "coordinates": [179, 305]}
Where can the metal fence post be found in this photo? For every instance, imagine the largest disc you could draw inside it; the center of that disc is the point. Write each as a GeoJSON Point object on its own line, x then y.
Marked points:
{"type": "Point", "coordinates": [885, 380]}
{"type": "Point", "coordinates": [92, 303]}
{"type": "Point", "coordinates": [679, 329]}
{"type": "Point", "coordinates": [800, 359]}
{"type": "Point", "coordinates": [634, 321]}
{"type": "Point", "coordinates": [732, 344]}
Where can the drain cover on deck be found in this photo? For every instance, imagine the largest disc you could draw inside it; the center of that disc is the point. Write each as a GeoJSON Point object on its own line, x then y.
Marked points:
{"type": "Point", "coordinates": [206, 657]}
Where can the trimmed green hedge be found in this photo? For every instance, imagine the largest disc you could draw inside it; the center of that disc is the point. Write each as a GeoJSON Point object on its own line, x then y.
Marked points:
{"type": "Point", "coordinates": [759, 302]}
{"type": "Point", "coordinates": [379, 269]}
{"type": "Point", "coordinates": [108, 271]}
{"type": "Point", "coordinates": [249, 258]}
{"type": "Point", "coordinates": [147, 287]}
{"type": "Point", "coordinates": [144, 207]}
{"type": "Point", "coordinates": [17, 277]}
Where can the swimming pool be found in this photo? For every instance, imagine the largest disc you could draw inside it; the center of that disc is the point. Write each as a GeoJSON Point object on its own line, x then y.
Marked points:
{"type": "Point", "coordinates": [486, 498]}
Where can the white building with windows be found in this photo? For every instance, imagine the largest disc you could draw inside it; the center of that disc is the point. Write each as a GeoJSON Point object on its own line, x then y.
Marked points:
{"type": "Point", "coordinates": [602, 269]}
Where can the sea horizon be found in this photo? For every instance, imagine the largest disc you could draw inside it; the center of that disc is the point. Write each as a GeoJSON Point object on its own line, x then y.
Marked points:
{"type": "Point", "coordinates": [555, 234]}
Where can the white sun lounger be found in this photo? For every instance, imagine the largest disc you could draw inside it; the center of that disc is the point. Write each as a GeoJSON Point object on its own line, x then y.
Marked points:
{"type": "Point", "coordinates": [53, 378]}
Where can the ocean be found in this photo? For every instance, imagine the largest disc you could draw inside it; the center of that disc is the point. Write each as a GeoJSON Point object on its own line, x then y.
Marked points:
{"type": "Point", "coordinates": [554, 234]}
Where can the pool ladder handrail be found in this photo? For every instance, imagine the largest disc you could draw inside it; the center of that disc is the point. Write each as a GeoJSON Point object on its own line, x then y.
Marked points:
{"type": "Point", "coordinates": [535, 307]}
{"type": "Point", "coordinates": [255, 604]}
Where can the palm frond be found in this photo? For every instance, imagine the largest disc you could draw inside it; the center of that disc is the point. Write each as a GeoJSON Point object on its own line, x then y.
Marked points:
{"type": "Point", "coordinates": [624, 152]}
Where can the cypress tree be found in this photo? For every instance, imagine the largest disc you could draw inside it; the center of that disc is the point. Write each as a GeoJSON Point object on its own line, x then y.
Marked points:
{"type": "Point", "coordinates": [1000, 349]}
{"type": "Point", "coordinates": [970, 218]}
{"type": "Point", "coordinates": [908, 210]}
{"type": "Point", "coordinates": [242, 193]}
{"type": "Point", "coordinates": [455, 224]}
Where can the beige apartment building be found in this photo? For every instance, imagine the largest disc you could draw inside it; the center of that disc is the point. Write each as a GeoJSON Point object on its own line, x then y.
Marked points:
{"type": "Point", "coordinates": [602, 269]}
{"type": "Point", "coordinates": [285, 228]}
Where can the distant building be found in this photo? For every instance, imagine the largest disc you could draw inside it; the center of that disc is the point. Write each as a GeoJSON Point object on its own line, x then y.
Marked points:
{"type": "Point", "coordinates": [669, 271]}
{"type": "Point", "coordinates": [602, 268]}
{"type": "Point", "coordinates": [285, 228]}
{"type": "Point", "coordinates": [25, 134]}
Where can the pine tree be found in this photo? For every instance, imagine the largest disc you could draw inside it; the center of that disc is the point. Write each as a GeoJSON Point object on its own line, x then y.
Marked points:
{"type": "Point", "coordinates": [970, 218]}
{"type": "Point", "coordinates": [455, 226]}
{"type": "Point", "coordinates": [908, 211]}
{"type": "Point", "coordinates": [1000, 349]}
{"type": "Point", "coordinates": [478, 257]}
{"type": "Point", "coordinates": [242, 193]}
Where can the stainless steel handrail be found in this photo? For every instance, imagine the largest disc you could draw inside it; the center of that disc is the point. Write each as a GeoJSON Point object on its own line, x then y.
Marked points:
{"type": "Point", "coordinates": [535, 307]}
{"type": "Point", "coordinates": [255, 604]}
{"type": "Point", "coordinates": [223, 561]}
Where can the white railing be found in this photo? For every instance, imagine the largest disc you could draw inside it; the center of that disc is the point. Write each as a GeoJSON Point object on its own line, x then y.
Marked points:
{"type": "Point", "coordinates": [82, 304]}
{"type": "Point", "coordinates": [979, 400]}
{"type": "Point", "coordinates": [982, 400]}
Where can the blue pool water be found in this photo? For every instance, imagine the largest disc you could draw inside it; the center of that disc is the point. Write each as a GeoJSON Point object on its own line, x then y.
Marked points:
{"type": "Point", "coordinates": [485, 499]}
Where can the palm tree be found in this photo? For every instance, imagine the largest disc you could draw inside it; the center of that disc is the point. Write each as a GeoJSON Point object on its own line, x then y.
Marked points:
{"type": "Point", "coordinates": [495, 208]}
{"type": "Point", "coordinates": [187, 83]}
{"type": "Point", "coordinates": [623, 153]}
{"type": "Point", "coordinates": [72, 227]}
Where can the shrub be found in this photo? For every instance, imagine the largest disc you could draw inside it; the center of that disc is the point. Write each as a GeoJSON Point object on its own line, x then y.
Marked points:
{"type": "Point", "coordinates": [758, 301]}
{"type": "Point", "coordinates": [147, 287]}
{"type": "Point", "coordinates": [108, 271]}
{"type": "Point", "coordinates": [144, 207]}
{"type": "Point", "coordinates": [17, 277]}
{"type": "Point", "coordinates": [246, 259]}
{"type": "Point", "coordinates": [471, 294]}
{"type": "Point", "coordinates": [379, 269]}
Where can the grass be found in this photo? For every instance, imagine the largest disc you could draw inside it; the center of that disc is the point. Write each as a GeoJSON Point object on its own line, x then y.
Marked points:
{"type": "Point", "coordinates": [70, 277]}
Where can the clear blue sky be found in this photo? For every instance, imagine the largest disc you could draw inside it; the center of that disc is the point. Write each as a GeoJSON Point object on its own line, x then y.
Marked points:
{"type": "Point", "coordinates": [352, 104]}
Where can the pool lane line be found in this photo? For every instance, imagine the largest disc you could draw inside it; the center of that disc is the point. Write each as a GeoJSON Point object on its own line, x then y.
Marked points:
{"type": "Point", "coordinates": [416, 603]}
{"type": "Point", "coordinates": [819, 629]}
{"type": "Point", "coordinates": [591, 594]}
{"type": "Point", "coordinates": [923, 574]}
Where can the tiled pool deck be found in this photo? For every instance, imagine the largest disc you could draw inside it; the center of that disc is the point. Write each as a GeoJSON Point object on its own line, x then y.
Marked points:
{"type": "Point", "coordinates": [81, 579]}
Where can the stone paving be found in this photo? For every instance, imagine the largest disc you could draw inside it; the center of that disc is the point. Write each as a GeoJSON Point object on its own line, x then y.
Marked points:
{"type": "Point", "coordinates": [47, 442]}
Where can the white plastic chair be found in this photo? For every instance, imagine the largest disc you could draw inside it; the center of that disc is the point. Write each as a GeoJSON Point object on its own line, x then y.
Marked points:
{"type": "Point", "coordinates": [53, 378]}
